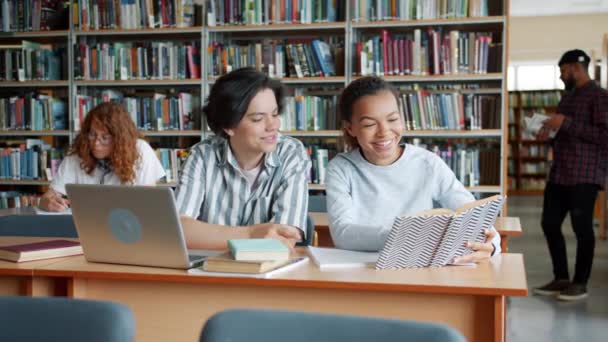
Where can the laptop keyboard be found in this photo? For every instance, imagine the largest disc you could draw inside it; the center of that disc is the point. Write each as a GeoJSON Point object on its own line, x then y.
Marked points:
{"type": "Point", "coordinates": [195, 257]}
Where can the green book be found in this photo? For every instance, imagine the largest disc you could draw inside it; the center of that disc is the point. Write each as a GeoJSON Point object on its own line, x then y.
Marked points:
{"type": "Point", "coordinates": [258, 249]}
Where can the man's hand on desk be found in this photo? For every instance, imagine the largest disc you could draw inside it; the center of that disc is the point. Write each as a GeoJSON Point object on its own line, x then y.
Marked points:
{"type": "Point", "coordinates": [286, 234]}
{"type": "Point", "coordinates": [483, 251]}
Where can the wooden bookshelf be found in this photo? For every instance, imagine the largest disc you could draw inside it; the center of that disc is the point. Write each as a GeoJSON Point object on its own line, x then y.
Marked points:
{"type": "Point", "coordinates": [526, 150]}
{"type": "Point", "coordinates": [344, 32]}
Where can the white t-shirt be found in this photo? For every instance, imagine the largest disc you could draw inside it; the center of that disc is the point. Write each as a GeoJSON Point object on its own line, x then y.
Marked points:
{"type": "Point", "coordinates": [148, 170]}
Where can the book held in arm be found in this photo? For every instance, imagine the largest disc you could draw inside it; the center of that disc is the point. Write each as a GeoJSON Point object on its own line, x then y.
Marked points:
{"type": "Point", "coordinates": [40, 250]}
{"type": "Point", "coordinates": [258, 250]}
{"type": "Point", "coordinates": [435, 237]}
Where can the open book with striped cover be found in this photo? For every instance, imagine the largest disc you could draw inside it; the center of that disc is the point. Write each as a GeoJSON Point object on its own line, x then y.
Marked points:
{"type": "Point", "coordinates": [435, 237]}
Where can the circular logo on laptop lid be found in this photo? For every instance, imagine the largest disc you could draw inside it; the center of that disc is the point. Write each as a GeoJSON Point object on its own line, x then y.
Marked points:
{"type": "Point", "coordinates": [124, 225]}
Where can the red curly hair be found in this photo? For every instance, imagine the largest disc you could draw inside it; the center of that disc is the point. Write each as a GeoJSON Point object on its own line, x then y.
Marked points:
{"type": "Point", "coordinates": [115, 118]}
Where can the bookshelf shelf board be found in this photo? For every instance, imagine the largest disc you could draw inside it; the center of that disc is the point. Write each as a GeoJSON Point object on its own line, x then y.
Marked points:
{"type": "Point", "coordinates": [36, 34]}
{"type": "Point", "coordinates": [532, 142]}
{"type": "Point", "coordinates": [533, 175]}
{"type": "Point", "coordinates": [484, 189]}
{"type": "Point", "coordinates": [533, 159]}
{"type": "Point", "coordinates": [500, 20]}
{"type": "Point", "coordinates": [480, 91]}
{"type": "Point", "coordinates": [539, 107]}
{"type": "Point", "coordinates": [23, 182]}
{"type": "Point", "coordinates": [34, 84]}
{"type": "Point", "coordinates": [277, 27]}
{"type": "Point", "coordinates": [193, 133]}
{"type": "Point", "coordinates": [304, 80]}
{"type": "Point", "coordinates": [494, 76]}
{"type": "Point", "coordinates": [454, 133]}
{"type": "Point", "coordinates": [312, 186]}
{"type": "Point", "coordinates": [137, 32]}
{"type": "Point", "coordinates": [325, 133]}
{"type": "Point", "coordinates": [34, 133]}
{"type": "Point", "coordinates": [128, 83]}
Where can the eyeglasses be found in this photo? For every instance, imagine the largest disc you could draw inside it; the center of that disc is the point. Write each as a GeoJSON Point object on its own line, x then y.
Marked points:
{"type": "Point", "coordinates": [104, 139]}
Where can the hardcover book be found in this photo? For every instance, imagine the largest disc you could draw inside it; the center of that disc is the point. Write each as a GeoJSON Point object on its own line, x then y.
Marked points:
{"type": "Point", "coordinates": [40, 250]}
{"type": "Point", "coordinates": [435, 237]}
{"type": "Point", "coordinates": [258, 249]}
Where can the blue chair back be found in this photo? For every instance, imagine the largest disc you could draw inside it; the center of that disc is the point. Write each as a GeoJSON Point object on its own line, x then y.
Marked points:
{"type": "Point", "coordinates": [317, 203]}
{"type": "Point", "coordinates": [38, 225]}
{"type": "Point", "coordinates": [64, 320]}
{"type": "Point", "coordinates": [271, 326]}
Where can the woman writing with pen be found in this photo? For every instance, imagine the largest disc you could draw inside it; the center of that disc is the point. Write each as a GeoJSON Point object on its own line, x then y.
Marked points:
{"type": "Point", "coordinates": [108, 150]}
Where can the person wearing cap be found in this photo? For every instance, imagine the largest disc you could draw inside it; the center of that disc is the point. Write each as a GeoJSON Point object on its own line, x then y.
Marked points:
{"type": "Point", "coordinates": [578, 172]}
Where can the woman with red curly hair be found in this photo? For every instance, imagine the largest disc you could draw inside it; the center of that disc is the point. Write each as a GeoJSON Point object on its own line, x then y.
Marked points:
{"type": "Point", "coordinates": [108, 150]}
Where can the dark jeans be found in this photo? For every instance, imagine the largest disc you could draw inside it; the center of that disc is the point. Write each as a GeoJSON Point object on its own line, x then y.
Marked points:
{"type": "Point", "coordinates": [579, 200]}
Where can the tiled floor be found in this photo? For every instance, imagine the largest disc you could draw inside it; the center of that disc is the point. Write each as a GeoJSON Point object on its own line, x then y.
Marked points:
{"type": "Point", "coordinates": [540, 319]}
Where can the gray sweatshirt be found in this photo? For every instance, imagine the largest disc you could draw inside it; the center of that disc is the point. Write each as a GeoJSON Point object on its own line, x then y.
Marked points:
{"type": "Point", "coordinates": [364, 199]}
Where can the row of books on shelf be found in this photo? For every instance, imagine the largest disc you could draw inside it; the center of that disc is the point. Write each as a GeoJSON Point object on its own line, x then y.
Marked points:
{"type": "Point", "coordinates": [310, 113]}
{"type": "Point", "coordinates": [172, 160]}
{"type": "Point", "coordinates": [33, 160]}
{"type": "Point", "coordinates": [427, 52]}
{"type": "Point", "coordinates": [373, 10]}
{"type": "Point", "coordinates": [33, 111]}
{"type": "Point", "coordinates": [545, 98]}
{"type": "Point", "coordinates": [455, 111]}
{"type": "Point", "coordinates": [533, 184]}
{"type": "Point", "coordinates": [150, 111]}
{"type": "Point", "coordinates": [540, 151]}
{"type": "Point", "coordinates": [136, 60]}
{"type": "Point", "coordinates": [278, 58]}
{"type": "Point", "coordinates": [472, 165]}
{"type": "Point", "coordinates": [320, 155]}
{"type": "Point", "coordinates": [533, 168]}
{"type": "Point", "coordinates": [32, 62]}
{"type": "Point", "coordinates": [133, 14]}
{"type": "Point", "coordinates": [265, 12]}
{"type": "Point", "coordinates": [32, 15]}
{"type": "Point", "coordinates": [17, 199]}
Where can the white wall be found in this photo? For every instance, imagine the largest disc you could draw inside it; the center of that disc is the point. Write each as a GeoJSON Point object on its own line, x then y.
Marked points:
{"type": "Point", "coordinates": [546, 38]}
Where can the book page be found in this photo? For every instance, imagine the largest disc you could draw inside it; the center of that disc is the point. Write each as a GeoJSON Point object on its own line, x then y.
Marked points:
{"type": "Point", "coordinates": [534, 123]}
{"type": "Point", "coordinates": [39, 211]}
{"type": "Point", "coordinates": [477, 203]}
{"type": "Point", "coordinates": [338, 258]}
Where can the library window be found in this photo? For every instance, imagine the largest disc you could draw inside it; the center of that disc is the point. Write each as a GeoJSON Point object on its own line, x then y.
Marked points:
{"type": "Point", "coordinates": [534, 77]}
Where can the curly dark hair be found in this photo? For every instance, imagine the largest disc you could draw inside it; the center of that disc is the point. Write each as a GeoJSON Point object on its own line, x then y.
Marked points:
{"type": "Point", "coordinates": [369, 85]}
{"type": "Point", "coordinates": [115, 118]}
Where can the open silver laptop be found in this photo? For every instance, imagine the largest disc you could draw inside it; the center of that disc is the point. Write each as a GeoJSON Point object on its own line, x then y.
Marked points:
{"type": "Point", "coordinates": [135, 225]}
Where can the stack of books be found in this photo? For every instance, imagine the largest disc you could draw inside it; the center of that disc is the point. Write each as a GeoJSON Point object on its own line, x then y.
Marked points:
{"type": "Point", "coordinates": [251, 256]}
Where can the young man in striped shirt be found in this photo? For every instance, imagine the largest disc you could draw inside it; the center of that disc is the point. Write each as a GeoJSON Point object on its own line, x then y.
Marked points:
{"type": "Point", "coordinates": [246, 181]}
{"type": "Point", "coordinates": [580, 150]}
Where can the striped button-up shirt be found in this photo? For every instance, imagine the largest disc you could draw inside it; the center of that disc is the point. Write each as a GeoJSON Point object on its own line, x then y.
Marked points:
{"type": "Point", "coordinates": [580, 147]}
{"type": "Point", "coordinates": [213, 189]}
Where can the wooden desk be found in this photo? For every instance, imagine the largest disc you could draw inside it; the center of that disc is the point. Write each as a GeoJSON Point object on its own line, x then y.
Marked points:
{"type": "Point", "coordinates": [173, 305]}
{"type": "Point", "coordinates": [18, 278]}
{"type": "Point", "coordinates": [506, 227]}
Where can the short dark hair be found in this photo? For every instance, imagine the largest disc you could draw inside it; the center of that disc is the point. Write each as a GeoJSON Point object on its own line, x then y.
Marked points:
{"type": "Point", "coordinates": [369, 85]}
{"type": "Point", "coordinates": [575, 56]}
{"type": "Point", "coordinates": [231, 94]}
